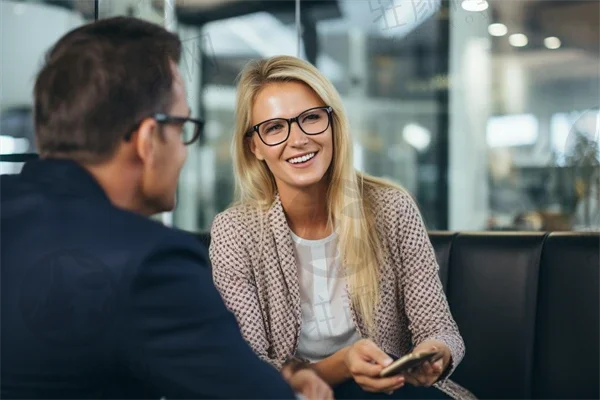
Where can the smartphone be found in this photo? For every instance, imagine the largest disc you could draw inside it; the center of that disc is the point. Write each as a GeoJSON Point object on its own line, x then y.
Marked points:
{"type": "Point", "coordinates": [409, 361]}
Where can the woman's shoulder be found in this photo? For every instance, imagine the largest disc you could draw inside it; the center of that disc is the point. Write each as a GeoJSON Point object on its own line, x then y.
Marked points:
{"type": "Point", "coordinates": [243, 217]}
{"type": "Point", "coordinates": [395, 211]}
{"type": "Point", "coordinates": [238, 214]}
{"type": "Point", "coordinates": [238, 228]}
{"type": "Point", "coordinates": [385, 196]}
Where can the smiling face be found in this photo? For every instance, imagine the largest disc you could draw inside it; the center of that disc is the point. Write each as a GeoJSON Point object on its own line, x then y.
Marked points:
{"type": "Point", "coordinates": [302, 161]}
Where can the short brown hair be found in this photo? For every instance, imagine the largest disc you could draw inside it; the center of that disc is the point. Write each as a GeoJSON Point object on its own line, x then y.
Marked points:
{"type": "Point", "coordinates": [97, 82]}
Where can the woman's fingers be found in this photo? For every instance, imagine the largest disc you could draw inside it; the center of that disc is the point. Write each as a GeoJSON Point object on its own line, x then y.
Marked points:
{"type": "Point", "coordinates": [438, 366]}
{"type": "Point", "coordinates": [367, 359]}
{"type": "Point", "coordinates": [408, 378]}
{"type": "Point", "coordinates": [418, 378]}
{"type": "Point", "coordinates": [380, 384]}
{"type": "Point", "coordinates": [324, 392]}
{"type": "Point", "coordinates": [361, 367]}
{"type": "Point", "coordinates": [398, 386]}
{"type": "Point", "coordinates": [424, 375]}
{"type": "Point", "coordinates": [414, 378]}
{"type": "Point", "coordinates": [427, 368]}
{"type": "Point", "coordinates": [370, 351]}
{"type": "Point", "coordinates": [310, 385]}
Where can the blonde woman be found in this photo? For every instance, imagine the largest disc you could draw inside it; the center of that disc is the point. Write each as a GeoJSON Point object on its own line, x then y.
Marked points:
{"type": "Point", "coordinates": [319, 262]}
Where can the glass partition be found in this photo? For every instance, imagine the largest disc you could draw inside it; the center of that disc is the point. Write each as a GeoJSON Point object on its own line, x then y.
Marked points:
{"type": "Point", "coordinates": [486, 111]}
{"type": "Point", "coordinates": [524, 109]}
{"type": "Point", "coordinates": [389, 60]}
{"type": "Point", "coordinates": [28, 31]}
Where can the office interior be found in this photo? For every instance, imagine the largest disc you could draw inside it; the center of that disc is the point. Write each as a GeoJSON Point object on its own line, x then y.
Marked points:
{"type": "Point", "coordinates": [487, 112]}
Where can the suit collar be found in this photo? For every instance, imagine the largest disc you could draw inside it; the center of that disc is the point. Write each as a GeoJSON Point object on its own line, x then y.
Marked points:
{"type": "Point", "coordinates": [65, 177]}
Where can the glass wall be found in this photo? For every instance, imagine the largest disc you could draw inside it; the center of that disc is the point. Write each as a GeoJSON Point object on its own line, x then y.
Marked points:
{"type": "Point", "coordinates": [28, 29]}
{"type": "Point", "coordinates": [379, 55]}
{"type": "Point", "coordinates": [487, 111]}
{"type": "Point", "coordinates": [232, 32]}
{"type": "Point", "coordinates": [390, 62]}
{"type": "Point", "coordinates": [525, 125]}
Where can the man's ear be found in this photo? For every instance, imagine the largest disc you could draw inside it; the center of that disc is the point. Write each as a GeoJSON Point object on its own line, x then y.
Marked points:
{"type": "Point", "coordinates": [146, 145]}
{"type": "Point", "coordinates": [255, 149]}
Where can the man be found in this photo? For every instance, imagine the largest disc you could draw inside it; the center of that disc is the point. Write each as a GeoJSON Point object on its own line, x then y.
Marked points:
{"type": "Point", "coordinates": [99, 301]}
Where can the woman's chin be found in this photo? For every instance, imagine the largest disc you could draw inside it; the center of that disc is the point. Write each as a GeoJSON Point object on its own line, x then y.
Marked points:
{"type": "Point", "coordinates": [307, 182]}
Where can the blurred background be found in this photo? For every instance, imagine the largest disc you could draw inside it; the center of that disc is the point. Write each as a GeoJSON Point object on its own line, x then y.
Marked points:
{"type": "Point", "coordinates": [486, 111]}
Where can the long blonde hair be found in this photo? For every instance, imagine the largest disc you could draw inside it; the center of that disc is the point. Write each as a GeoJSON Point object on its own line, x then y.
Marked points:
{"type": "Point", "coordinates": [350, 213]}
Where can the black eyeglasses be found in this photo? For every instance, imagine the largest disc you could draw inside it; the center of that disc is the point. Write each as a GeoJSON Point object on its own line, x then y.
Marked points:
{"type": "Point", "coordinates": [191, 128]}
{"type": "Point", "coordinates": [277, 130]}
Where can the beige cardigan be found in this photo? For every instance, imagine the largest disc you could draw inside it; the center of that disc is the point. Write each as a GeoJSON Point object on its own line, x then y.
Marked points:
{"type": "Point", "coordinates": [254, 269]}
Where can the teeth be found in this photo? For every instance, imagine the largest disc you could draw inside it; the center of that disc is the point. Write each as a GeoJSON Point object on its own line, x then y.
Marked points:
{"type": "Point", "coordinates": [301, 159]}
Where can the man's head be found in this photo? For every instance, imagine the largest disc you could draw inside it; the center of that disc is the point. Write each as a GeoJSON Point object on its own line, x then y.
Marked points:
{"type": "Point", "coordinates": [108, 97]}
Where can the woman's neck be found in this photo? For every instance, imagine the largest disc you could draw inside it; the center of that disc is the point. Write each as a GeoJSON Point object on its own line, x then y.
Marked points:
{"type": "Point", "coordinates": [306, 211]}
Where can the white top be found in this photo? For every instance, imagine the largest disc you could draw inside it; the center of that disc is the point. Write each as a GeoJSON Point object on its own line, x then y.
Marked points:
{"type": "Point", "coordinates": [327, 324]}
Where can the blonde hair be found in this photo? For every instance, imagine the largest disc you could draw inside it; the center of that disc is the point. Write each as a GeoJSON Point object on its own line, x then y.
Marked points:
{"type": "Point", "coordinates": [350, 213]}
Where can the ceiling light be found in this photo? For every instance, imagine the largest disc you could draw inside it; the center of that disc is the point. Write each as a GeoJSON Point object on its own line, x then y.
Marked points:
{"type": "Point", "coordinates": [497, 29]}
{"type": "Point", "coordinates": [518, 40]}
{"type": "Point", "coordinates": [475, 5]}
{"type": "Point", "coordinates": [552, 42]}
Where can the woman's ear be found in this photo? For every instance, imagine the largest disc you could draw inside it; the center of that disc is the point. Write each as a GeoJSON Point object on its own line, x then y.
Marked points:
{"type": "Point", "coordinates": [255, 149]}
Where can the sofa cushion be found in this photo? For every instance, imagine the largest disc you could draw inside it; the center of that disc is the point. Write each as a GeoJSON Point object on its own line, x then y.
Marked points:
{"type": "Point", "coordinates": [567, 343]}
{"type": "Point", "coordinates": [492, 288]}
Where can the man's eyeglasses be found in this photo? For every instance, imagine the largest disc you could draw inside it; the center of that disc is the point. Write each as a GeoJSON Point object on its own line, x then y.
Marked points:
{"type": "Point", "coordinates": [191, 128]}
{"type": "Point", "coordinates": [277, 130]}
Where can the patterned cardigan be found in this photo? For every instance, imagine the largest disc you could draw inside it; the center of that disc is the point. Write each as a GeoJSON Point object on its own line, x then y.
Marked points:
{"type": "Point", "coordinates": [254, 269]}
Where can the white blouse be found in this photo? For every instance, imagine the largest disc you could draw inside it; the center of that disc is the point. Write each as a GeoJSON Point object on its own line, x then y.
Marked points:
{"type": "Point", "coordinates": [327, 324]}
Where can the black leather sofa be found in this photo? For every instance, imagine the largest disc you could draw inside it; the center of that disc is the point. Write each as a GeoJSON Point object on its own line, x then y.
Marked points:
{"type": "Point", "coordinates": [528, 306]}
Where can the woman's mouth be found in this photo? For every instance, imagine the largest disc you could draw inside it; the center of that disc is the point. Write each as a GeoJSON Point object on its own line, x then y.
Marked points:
{"type": "Point", "coordinates": [302, 159]}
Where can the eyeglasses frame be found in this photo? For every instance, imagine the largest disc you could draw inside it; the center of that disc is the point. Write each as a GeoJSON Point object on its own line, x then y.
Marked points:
{"type": "Point", "coordinates": [329, 110]}
{"type": "Point", "coordinates": [162, 118]}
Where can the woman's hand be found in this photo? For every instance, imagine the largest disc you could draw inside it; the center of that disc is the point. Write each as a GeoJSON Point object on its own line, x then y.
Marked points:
{"type": "Point", "coordinates": [428, 373]}
{"type": "Point", "coordinates": [308, 383]}
{"type": "Point", "coordinates": [364, 360]}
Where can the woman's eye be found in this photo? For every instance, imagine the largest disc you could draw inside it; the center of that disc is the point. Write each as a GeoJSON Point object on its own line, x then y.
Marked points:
{"type": "Point", "coordinates": [311, 118]}
{"type": "Point", "coordinates": [273, 128]}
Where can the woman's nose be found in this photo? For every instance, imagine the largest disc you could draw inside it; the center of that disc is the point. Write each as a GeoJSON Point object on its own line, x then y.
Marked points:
{"type": "Point", "coordinates": [297, 136]}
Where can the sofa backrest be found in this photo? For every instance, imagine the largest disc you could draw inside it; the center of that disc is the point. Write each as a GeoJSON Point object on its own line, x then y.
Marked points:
{"type": "Point", "coordinates": [492, 291]}
{"type": "Point", "coordinates": [442, 244]}
{"type": "Point", "coordinates": [567, 340]}
{"type": "Point", "coordinates": [528, 308]}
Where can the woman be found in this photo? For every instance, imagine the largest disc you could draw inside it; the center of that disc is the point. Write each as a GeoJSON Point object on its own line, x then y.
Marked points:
{"type": "Point", "coordinates": [319, 262]}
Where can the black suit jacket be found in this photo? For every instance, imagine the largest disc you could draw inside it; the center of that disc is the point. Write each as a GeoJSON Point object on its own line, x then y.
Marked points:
{"type": "Point", "coordinates": [98, 302]}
